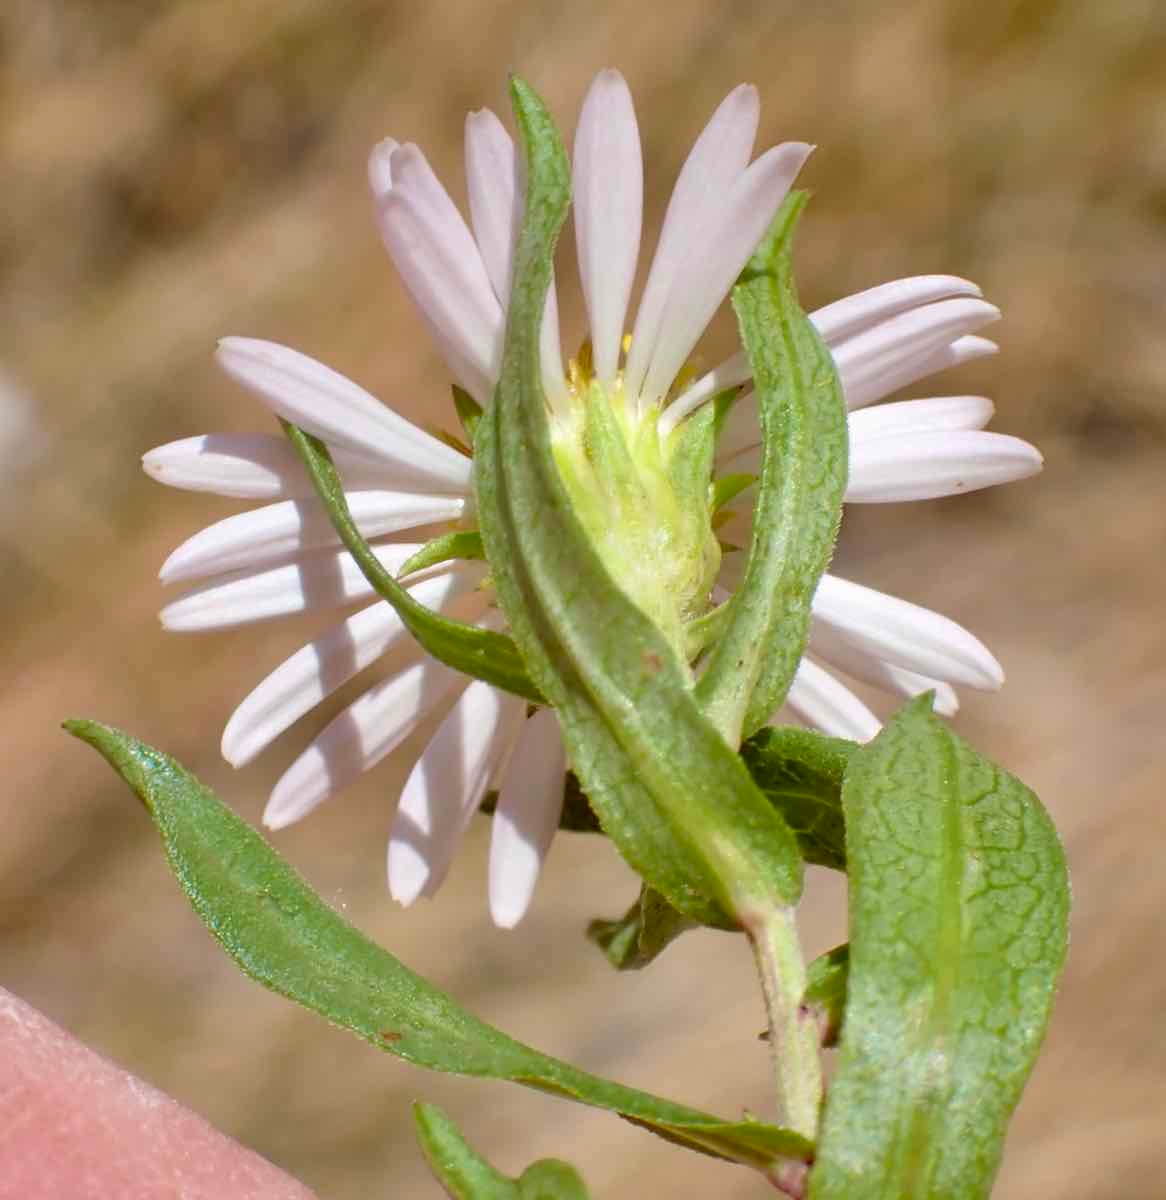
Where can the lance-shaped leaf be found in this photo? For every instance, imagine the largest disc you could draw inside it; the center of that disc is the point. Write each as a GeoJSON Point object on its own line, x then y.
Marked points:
{"type": "Point", "coordinates": [643, 932]}
{"type": "Point", "coordinates": [481, 653]}
{"type": "Point", "coordinates": [799, 492]}
{"type": "Point", "coordinates": [466, 1175]}
{"type": "Point", "coordinates": [666, 787]}
{"type": "Point", "coordinates": [801, 774]}
{"type": "Point", "coordinates": [284, 936]}
{"type": "Point", "coordinates": [825, 995]}
{"type": "Point", "coordinates": [958, 912]}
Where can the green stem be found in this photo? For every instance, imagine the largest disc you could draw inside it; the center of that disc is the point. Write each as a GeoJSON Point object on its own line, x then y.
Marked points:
{"type": "Point", "coordinates": [793, 1031]}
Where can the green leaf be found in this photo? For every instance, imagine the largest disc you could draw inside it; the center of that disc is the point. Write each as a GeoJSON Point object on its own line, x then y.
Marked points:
{"type": "Point", "coordinates": [462, 543]}
{"type": "Point", "coordinates": [958, 924]}
{"type": "Point", "coordinates": [648, 927]}
{"type": "Point", "coordinates": [481, 653]}
{"type": "Point", "coordinates": [801, 774]}
{"type": "Point", "coordinates": [799, 492]}
{"type": "Point", "coordinates": [284, 936]}
{"type": "Point", "coordinates": [825, 995]}
{"type": "Point", "coordinates": [660, 778]}
{"type": "Point", "coordinates": [466, 1175]}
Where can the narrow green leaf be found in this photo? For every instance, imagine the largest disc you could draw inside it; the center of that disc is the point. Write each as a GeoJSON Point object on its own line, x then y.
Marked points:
{"type": "Point", "coordinates": [958, 925]}
{"type": "Point", "coordinates": [481, 653]}
{"type": "Point", "coordinates": [466, 1175]}
{"type": "Point", "coordinates": [462, 543]}
{"type": "Point", "coordinates": [799, 492]}
{"type": "Point", "coordinates": [657, 773]}
{"type": "Point", "coordinates": [801, 774]}
{"type": "Point", "coordinates": [635, 939]}
{"type": "Point", "coordinates": [284, 936]}
{"type": "Point", "coordinates": [461, 1170]}
{"type": "Point", "coordinates": [825, 996]}
{"type": "Point", "coordinates": [551, 1179]}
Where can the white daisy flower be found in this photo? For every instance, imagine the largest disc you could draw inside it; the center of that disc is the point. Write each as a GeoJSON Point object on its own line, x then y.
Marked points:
{"type": "Point", "coordinates": [283, 558]}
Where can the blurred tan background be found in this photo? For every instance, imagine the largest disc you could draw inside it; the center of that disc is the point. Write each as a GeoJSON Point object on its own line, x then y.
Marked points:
{"type": "Point", "coordinates": [170, 172]}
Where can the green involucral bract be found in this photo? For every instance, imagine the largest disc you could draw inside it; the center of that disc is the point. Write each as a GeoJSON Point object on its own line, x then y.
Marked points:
{"type": "Point", "coordinates": [958, 926]}
{"type": "Point", "coordinates": [799, 494]}
{"type": "Point", "coordinates": [668, 789]}
{"type": "Point", "coordinates": [284, 936]}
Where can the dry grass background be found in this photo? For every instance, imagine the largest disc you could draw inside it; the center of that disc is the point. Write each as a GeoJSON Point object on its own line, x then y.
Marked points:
{"type": "Point", "coordinates": [175, 171]}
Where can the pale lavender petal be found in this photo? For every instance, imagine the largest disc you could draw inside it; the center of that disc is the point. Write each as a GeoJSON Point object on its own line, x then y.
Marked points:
{"type": "Point", "coordinates": [529, 804]}
{"type": "Point", "coordinates": [367, 730]}
{"type": "Point", "coordinates": [834, 323]}
{"type": "Point", "coordinates": [858, 664]}
{"type": "Point", "coordinates": [897, 344]}
{"type": "Point", "coordinates": [905, 634]}
{"type": "Point", "coordinates": [318, 669]}
{"type": "Point", "coordinates": [495, 187]}
{"type": "Point", "coordinates": [873, 386]}
{"type": "Point", "coordinates": [922, 466]}
{"type": "Point", "coordinates": [703, 281]}
{"type": "Point", "coordinates": [250, 466]}
{"type": "Point", "coordinates": [291, 527]}
{"type": "Point", "coordinates": [446, 786]}
{"type": "Point", "coordinates": [730, 373]}
{"type": "Point", "coordinates": [608, 184]}
{"type": "Point", "coordinates": [495, 196]}
{"type": "Point", "coordinates": [853, 314]}
{"type": "Point", "coordinates": [440, 265]}
{"type": "Point", "coordinates": [340, 413]}
{"type": "Point", "coordinates": [319, 579]}
{"type": "Point", "coordinates": [936, 414]}
{"type": "Point", "coordinates": [718, 157]}
{"type": "Point", "coordinates": [821, 701]}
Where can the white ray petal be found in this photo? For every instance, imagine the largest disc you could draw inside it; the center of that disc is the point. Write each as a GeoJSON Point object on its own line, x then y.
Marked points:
{"type": "Point", "coordinates": [291, 527]}
{"type": "Point", "coordinates": [493, 174]}
{"type": "Point", "coordinates": [865, 384]}
{"type": "Point", "coordinates": [446, 786]}
{"type": "Point", "coordinates": [742, 430]}
{"type": "Point", "coordinates": [730, 373]}
{"type": "Point", "coordinates": [717, 158]}
{"type": "Point", "coordinates": [894, 345]}
{"type": "Point", "coordinates": [904, 634]}
{"type": "Point", "coordinates": [495, 196]}
{"type": "Point", "coordinates": [835, 323]}
{"type": "Point", "coordinates": [530, 802]}
{"type": "Point", "coordinates": [250, 466]}
{"type": "Point", "coordinates": [318, 669]}
{"type": "Point", "coordinates": [853, 314]}
{"type": "Point", "coordinates": [936, 414]}
{"type": "Point", "coordinates": [922, 466]}
{"type": "Point", "coordinates": [820, 700]}
{"type": "Point", "coordinates": [319, 579]}
{"type": "Point", "coordinates": [439, 263]}
{"type": "Point", "coordinates": [858, 664]}
{"type": "Point", "coordinates": [703, 281]}
{"type": "Point", "coordinates": [325, 403]}
{"type": "Point", "coordinates": [608, 184]}
{"type": "Point", "coordinates": [367, 730]}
